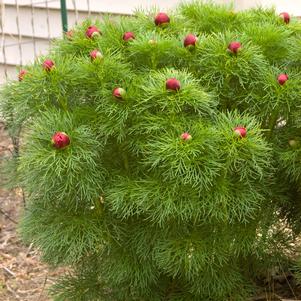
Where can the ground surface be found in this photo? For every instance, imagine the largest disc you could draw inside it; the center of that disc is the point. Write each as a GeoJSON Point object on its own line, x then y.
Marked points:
{"type": "Point", "coordinates": [24, 278]}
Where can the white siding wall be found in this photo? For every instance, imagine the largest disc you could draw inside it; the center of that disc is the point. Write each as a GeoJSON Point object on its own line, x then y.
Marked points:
{"type": "Point", "coordinates": [291, 6]}
{"type": "Point", "coordinates": [35, 14]}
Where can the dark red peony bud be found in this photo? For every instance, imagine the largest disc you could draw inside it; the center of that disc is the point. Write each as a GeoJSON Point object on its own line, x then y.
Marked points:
{"type": "Point", "coordinates": [60, 140]}
{"type": "Point", "coordinates": [128, 36]}
{"type": "Point", "coordinates": [186, 136]}
{"type": "Point", "coordinates": [48, 65]}
{"type": "Point", "coordinates": [161, 19]}
{"type": "Point", "coordinates": [190, 40]}
{"type": "Point", "coordinates": [95, 54]}
{"type": "Point", "coordinates": [282, 78]}
{"type": "Point", "coordinates": [286, 17]}
{"type": "Point", "coordinates": [240, 131]}
{"type": "Point", "coordinates": [92, 31]}
{"type": "Point", "coordinates": [119, 93]}
{"type": "Point", "coordinates": [21, 75]}
{"type": "Point", "coordinates": [173, 84]}
{"type": "Point", "coordinates": [234, 47]}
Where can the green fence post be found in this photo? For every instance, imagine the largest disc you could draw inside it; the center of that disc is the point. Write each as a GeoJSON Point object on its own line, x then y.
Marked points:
{"type": "Point", "coordinates": [64, 15]}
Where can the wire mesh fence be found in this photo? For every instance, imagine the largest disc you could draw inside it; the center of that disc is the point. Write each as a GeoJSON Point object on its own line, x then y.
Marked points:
{"type": "Point", "coordinates": [27, 28]}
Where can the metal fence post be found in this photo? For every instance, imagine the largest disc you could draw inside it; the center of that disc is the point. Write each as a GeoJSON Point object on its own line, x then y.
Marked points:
{"type": "Point", "coordinates": [64, 15]}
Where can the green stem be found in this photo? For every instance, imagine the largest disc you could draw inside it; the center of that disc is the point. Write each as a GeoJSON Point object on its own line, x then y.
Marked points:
{"type": "Point", "coordinates": [272, 122]}
{"type": "Point", "coordinates": [125, 161]}
{"type": "Point", "coordinates": [63, 104]}
{"type": "Point", "coordinates": [124, 157]}
{"type": "Point", "coordinates": [170, 289]}
{"type": "Point", "coordinates": [153, 61]}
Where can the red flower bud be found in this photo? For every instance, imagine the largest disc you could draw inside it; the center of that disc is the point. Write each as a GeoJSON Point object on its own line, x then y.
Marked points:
{"type": "Point", "coordinates": [234, 47]}
{"type": "Point", "coordinates": [282, 78]}
{"type": "Point", "coordinates": [186, 136]}
{"type": "Point", "coordinates": [21, 75]}
{"type": "Point", "coordinates": [60, 140]}
{"type": "Point", "coordinates": [48, 65]}
{"type": "Point", "coordinates": [95, 54]}
{"type": "Point", "coordinates": [119, 93]}
{"type": "Point", "coordinates": [286, 17]}
{"type": "Point", "coordinates": [240, 131]}
{"type": "Point", "coordinates": [128, 36]}
{"type": "Point", "coordinates": [92, 31]}
{"type": "Point", "coordinates": [173, 84]}
{"type": "Point", "coordinates": [161, 19]}
{"type": "Point", "coordinates": [190, 40]}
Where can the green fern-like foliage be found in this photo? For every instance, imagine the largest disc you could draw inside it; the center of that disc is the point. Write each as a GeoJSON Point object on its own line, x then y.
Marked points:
{"type": "Point", "coordinates": [137, 210]}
